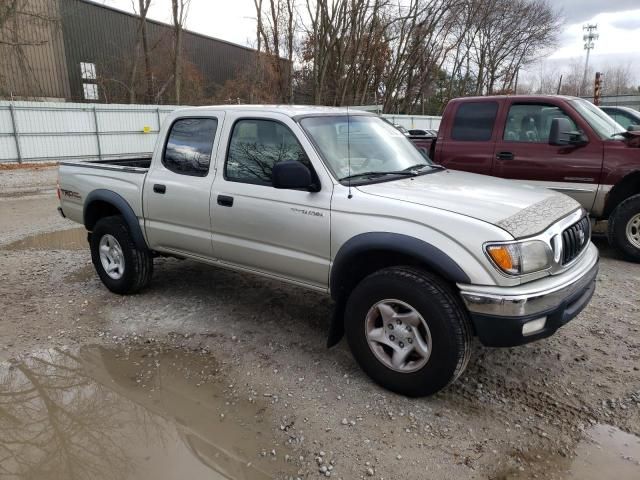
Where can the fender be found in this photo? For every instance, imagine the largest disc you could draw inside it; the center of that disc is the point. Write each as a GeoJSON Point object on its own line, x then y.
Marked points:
{"type": "Point", "coordinates": [123, 207]}
{"type": "Point", "coordinates": [424, 253]}
{"type": "Point", "coordinates": [432, 257]}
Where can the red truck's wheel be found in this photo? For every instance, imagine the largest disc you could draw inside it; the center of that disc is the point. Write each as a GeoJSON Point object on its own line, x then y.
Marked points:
{"type": "Point", "coordinates": [121, 265]}
{"type": "Point", "coordinates": [407, 331]}
{"type": "Point", "coordinates": [624, 228]}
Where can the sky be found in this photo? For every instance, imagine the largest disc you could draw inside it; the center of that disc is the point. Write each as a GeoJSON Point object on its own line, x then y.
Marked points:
{"type": "Point", "coordinates": [618, 26]}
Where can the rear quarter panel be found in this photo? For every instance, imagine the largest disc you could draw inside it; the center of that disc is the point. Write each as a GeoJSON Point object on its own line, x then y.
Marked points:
{"type": "Point", "coordinates": [77, 180]}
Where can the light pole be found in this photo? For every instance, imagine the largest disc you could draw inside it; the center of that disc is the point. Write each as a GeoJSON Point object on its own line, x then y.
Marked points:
{"type": "Point", "coordinates": [588, 38]}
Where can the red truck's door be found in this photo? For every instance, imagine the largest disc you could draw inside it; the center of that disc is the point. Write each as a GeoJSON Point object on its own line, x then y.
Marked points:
{"type": "Point", "coordinates": [466, 141]}
{"type": "Point", "coordinates": [522, 150]}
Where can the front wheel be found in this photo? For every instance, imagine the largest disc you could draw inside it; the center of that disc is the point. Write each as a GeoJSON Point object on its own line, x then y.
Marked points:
{"type": "Point", "coordinates": [121, 265]}
{"type": "Point", "coordinates": [624, 228]}
{"type": "Point", "coordinates": [408, 331]}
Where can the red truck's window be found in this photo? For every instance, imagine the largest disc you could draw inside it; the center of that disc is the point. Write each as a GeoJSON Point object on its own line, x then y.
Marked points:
{"type": "Point", "coordinates": [474, 121]}
{"type": "Point", "coordinates": [189, 146]}
{"type": "Point", "coordinates": [532, 122]}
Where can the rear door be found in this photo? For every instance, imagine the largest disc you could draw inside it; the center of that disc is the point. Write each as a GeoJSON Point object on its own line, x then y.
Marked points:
{"type": "Point", "coordinates": [178, 187]}
{"type": "Point", "coordinates": [522, 151]}
{"type": "Point", "coordinates": [467, 143]}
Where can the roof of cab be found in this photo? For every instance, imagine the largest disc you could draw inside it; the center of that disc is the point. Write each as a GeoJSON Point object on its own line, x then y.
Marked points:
{"type": "Point", "coordinates": [519, 97]}
{"type": "Point", "coordinates": [289, 110]}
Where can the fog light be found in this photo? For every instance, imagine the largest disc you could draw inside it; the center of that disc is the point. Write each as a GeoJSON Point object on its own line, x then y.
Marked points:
{"type": "Point", "coordinates": [533, 326]}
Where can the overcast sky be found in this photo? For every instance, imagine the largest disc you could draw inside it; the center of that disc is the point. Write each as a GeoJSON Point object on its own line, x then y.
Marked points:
{"type": "Point", "coordinates": [618, 25]}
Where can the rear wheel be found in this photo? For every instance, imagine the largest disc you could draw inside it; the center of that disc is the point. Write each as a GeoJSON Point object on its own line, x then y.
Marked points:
{"type": "Point", "coordinates": [624, 228]}
{"type": "Point", "coordinates": [407, 331]}
{"type": "Point", "coordinates": [121, 265]}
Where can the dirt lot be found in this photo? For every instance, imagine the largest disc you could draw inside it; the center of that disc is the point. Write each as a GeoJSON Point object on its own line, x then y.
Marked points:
{"type": "Point", "coordinates": [213, 371]}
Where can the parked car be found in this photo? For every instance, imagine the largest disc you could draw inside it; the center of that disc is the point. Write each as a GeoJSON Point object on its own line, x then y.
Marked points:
{"type": "Point", "coordinates": [417, 258]}
{"type": "Point", "coordinates": [418, 132]}
{"type": "Point", "coordinates": [563, 143]}
{"type": "Point", "coordinates": [625, 116]}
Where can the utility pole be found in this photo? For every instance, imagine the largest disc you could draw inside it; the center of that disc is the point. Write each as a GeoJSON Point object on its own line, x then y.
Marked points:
{"type": "Point", "coordinates": [596, 89]}
{"type": "Point", "coordinates": [588, 38]}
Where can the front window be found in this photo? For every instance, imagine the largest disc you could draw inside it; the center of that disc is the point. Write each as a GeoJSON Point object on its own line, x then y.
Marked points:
{"type": "Point", "coordinates": [365, 146]}
{"type": "Point", "coordinates": [531, 122]}
{"type": "Point", "coordinates": [602, 123]}
{"type": "Point", "coordinates": [256, 146]}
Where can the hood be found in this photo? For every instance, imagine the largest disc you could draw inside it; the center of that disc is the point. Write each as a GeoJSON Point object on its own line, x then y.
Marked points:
{"type": "Point", "coordinates": [521, 210]}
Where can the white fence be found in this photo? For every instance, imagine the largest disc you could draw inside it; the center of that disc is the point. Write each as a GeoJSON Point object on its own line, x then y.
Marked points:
{"type": "Point", "coordinates": [36, 131]}
{"type": "Point", "coordinates": [424, 122]}
{"type": "Point", "coordinates": [41, 132]}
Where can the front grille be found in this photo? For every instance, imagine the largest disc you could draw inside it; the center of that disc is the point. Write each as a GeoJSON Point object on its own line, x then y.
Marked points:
{"type": "Point", "coordinates": [575, 239]}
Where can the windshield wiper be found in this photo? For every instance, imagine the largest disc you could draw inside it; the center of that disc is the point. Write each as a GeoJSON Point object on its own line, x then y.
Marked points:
{"type": "Point", "coordinates": [622, 134]}
{"type": "Point", "coordinates": [417, 166]}
{"type": "Point", "coordinates": [406, 173]}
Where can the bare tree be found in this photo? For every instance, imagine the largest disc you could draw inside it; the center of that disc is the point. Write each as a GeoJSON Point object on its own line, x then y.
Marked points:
{"type": "Point", "coordinates": [141, 43]}
{"type": "Point", "coordinates": [180, 11]}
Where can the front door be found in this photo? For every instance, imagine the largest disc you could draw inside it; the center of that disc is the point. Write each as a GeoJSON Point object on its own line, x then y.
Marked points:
{"type": "Point", "coordinates": [283, 233]}
{"type": "Point", "coordinates": [178, 187]}
{"type": "Point", "coordinates": [523, 152]}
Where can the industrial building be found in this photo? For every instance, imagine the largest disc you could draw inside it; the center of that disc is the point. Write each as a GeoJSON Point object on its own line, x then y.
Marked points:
{"type": "Point", "coordinates": [78, 50]}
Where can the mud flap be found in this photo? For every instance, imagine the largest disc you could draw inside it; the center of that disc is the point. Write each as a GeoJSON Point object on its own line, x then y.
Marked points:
{"type": "Point", "coordinates": [336, 330]}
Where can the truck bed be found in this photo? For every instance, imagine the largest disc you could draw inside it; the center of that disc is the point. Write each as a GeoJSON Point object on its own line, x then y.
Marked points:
{"type": "Point", "coordinates": [77, 179]}
{"type": "Point", "coordinates": [136, 163]}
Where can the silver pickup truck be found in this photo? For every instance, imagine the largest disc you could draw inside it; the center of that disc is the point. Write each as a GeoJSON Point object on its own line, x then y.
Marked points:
{"type": "Point", "coordinates": [417, 258]}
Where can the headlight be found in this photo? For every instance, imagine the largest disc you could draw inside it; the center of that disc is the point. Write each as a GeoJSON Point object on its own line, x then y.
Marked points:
{"type": "Point", "coordinates": [519, 258]}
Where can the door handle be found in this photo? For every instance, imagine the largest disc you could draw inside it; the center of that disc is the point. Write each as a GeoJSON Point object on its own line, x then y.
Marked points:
{"type": "Point", "coordinates": [225, 201]}
{"type": "Point", "coordinates": [158, 188]}
{"type": "Point", "coordinates": [505, 156]}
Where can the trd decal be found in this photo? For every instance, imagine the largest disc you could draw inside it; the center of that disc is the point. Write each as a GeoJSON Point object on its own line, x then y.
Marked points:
{"type": "Point", "coordinates": [70, 194]}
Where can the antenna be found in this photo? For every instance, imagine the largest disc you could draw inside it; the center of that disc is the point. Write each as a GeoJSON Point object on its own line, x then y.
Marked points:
{"type": "Point", "coordinates": [349, 196]}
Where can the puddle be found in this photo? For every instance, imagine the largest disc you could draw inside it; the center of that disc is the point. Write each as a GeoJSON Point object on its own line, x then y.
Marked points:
{"type": "Point", "coordinates": [608, 452]}
{"type": "Point", "coordinates": [605, 452]}
{"type": "Point", "coordinates": [73, 239]}
{"type": "Point", "coordinates": [109, 414]}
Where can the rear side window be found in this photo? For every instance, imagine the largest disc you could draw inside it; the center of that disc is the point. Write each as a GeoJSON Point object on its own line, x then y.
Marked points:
{"type": "Point", "coordinates": [474, 121]}
{"type": "Point", "coordinates": [189, 146]}
{"type": "Point", "coordinates": [256, 146]}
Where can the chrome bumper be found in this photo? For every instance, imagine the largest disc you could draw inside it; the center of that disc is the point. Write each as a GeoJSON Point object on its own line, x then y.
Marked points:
{"type": "Point", "coordinates": [537, 297]}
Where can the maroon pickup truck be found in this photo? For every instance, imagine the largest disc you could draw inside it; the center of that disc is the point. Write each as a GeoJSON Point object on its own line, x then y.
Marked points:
{"type": "Point", "coordinates": [563, 143]}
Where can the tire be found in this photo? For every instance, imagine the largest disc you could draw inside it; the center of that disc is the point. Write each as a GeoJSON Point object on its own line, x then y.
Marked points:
{"type": "Point", "coordinates": [132, 267]}
{"type": "Point", "coordinates": [624, 228]}
{"type": "Point", "coordinates": [437, 307]}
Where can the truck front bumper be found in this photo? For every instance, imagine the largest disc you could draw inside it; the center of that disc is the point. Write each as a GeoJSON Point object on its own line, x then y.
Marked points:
{"type": "Point", "coordinates": [509, 316]}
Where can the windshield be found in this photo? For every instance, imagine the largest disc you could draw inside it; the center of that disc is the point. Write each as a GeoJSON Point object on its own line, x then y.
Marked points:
{"type": "Point", "coordinates": [370, 143]}
{"type": "Point", "coordinates": [602, 123]}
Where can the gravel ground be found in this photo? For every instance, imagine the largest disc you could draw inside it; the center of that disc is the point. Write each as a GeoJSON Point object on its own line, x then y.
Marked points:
{"type": "Point", "coordinates": [515, 413]}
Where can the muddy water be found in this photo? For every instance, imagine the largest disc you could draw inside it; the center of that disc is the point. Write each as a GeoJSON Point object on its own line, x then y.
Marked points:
{"type": "Point", "coordinates": [607, 452]}
{"type": "Point", "coordinates": [137, 414]}
{"type": "Point", "coordinates": [73, 239]}
{"type": "Point", "coordinates": [604, 453]}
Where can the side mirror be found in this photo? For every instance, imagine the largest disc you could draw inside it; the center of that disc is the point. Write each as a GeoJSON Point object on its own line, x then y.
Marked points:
{"type": "Point", "coordinates": [561, 133]}
{"type": "Point", "coordinates": [291, 175]}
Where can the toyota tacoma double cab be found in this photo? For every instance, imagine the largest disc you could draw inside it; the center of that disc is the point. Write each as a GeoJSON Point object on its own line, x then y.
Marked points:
{"type": "Point", "coordinates": [559, 142]}
{"type": "Point", "coordinates": [417, 258]}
